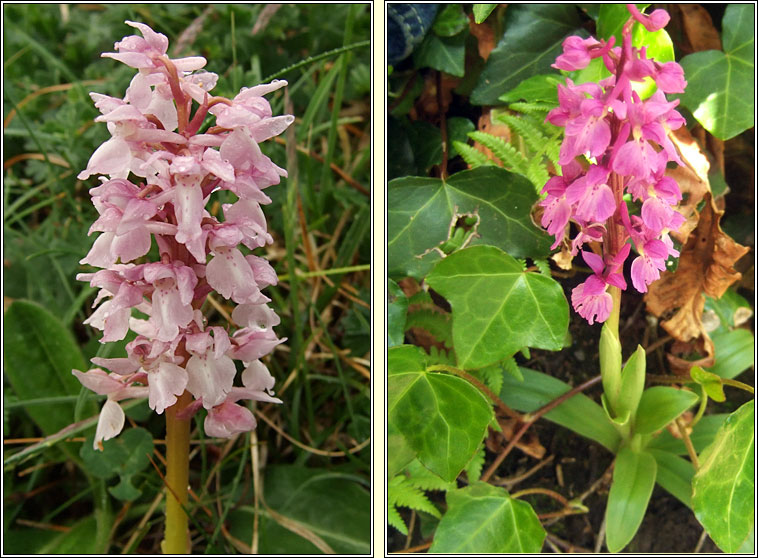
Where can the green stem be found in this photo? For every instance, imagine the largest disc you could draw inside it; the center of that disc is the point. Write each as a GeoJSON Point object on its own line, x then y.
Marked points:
{"type": "Point", "coordinates": [737, 384]}
{"type": "Point", "coordinates": [325, 272]}
{"type": "Point", "coordinates": [176, 539]}
{"type": "Point", "coordinates": [613, 319]}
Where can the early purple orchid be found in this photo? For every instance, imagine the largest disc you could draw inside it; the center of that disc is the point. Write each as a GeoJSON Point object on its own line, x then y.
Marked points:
{"type": "Point", "coordinates": [154, 137]}
{"type": "Point", "coordinates": [624, 146]}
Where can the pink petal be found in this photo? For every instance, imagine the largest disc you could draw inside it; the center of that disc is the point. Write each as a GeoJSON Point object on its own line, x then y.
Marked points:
{"type": "Point", "coordinates": [166, 382]}
{"type": "Point", "coordinates": [231, 276]}
{"type": "Point", "coordinates": [111, 158]}
{"type": "Point", "coordinates": [109, 424]}
{"type": "Point", "coordinates": [228, 419]}
{"type": "Point", "coordinates": [210, 378]}
{"type": "Point", "coordinates": [98, 380]}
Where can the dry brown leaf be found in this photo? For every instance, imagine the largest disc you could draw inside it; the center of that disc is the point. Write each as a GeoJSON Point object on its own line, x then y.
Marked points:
{"type": "Point", "coordinates": [699, 31]}
{"type": "Point", "coordinates": [692, 180]}
{"type": "Point", "coordinates": [486, 125]}
{"type": "Point", "coordinates": [529, 442]}
{"type": "Point", "coordinates": [705, 267]}
{"type": "Point", "coordinates": [485, 36]}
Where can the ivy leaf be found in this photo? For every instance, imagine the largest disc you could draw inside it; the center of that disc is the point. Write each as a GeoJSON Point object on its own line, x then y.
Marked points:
{"type": "Point", "coordinates": [446, 54]}
{"type": "Point", "coordinates": [482, 11]}
{"type": "Point", "coordinates": [721, 85]}
{"type": "Point", "coordinates": [441, 417]}
{"type": "Point", "coordinates": [497, 306]}
{"type": "Point", "coordinates": [532, 41]}
{"type": "Point", "coordinates": [397, 309]}
{"type": "Point", "coordinates": [450, 21]}
{"type": "Point", "coordinates": [482, 518]}
{"type": "Point", "coordinates": [420, 211]}
{"type": "Point", "coordinates": [723, 488]}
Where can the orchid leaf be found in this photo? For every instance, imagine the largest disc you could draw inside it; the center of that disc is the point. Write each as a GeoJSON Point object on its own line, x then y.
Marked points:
{"type": "Point", "coordinates": [633, 479]}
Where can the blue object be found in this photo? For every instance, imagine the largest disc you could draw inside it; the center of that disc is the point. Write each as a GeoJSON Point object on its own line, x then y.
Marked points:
{"type": "Point", "coordinates": [407, 24]}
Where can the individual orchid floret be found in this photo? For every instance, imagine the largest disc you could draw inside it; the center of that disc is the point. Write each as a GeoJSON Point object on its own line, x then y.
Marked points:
{"type": "Point", "coordinates": [653, 22]}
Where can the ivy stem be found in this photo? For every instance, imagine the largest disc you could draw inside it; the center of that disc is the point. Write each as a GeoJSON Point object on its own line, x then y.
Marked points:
{"type": "Point", "coordinates": [176, 538]}
{"type": "Point", "coordinates": [531, 418]}
{"type": "Point", "coordinates": [687, 443]}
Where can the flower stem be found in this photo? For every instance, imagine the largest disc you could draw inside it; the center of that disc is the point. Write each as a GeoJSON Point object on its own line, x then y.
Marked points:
{"type": "Point", "coordinates": [613, 319]}
{"type": "Point", "coordinates": [176, 538]}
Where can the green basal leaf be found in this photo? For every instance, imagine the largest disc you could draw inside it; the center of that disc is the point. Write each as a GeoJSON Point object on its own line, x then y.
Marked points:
{"type": "Point", "coordinates": [482, 518]}
{"type": "Point", "coordinates": [532, 40]}
{"type": "Point", "coordinates": [724, 486]}
{"type": "Point", "coordinates": [578, 413]}
{"type": "Point", "coordinates": [442, 418]}
{"type": "Point", "coordinates": [660, 405]}
{"type": "Point", "coordinates": [710, 382]}
{"type": "Point", "coordinates": [610, 366]}
{"type": "Point", "coordinates": [721, 85]}
{"type": "Point", "coordinates": [735, 352]}
{"type": "Point", "coordinates": [397, 309]}
{"type": "Point", "coordinates": [334, 506]}
{"type": "Point", "coordinates": [674, 475]}
{"type": "Point", "coordinates": [497, 306]}
{"type": "Point", "coordinates": [633, 480]}
{"type": "Point", "coordinates": [482, 11]}
{"type": "Point", "coordinates": [78, 540]}
{"type": "Point", "coordinates": [421, 211]}
{"type": "Point", "coordinates": [39, 354]}
{"type": "Point", "coordinates": [632, 383]}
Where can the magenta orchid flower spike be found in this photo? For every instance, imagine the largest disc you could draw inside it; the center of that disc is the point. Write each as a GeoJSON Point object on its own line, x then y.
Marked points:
{"type": "Point", "coordinates": [157, 173]}
{"type": "Point", "coordinates": [624, 147]}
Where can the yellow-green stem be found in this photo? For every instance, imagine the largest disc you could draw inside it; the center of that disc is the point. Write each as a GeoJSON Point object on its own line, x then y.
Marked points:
{"type": "Point", "coordinates": [613, 319]}
{"type": "Point", "coordinates": [176, 538]}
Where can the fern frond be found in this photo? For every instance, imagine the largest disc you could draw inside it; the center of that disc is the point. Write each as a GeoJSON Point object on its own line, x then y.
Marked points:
{"type": "Point", "coordinates": [423, 478]}
{"type": "Point", "coordinates": [473, 157]}
{"type": "Point", "coordinates": [492, 376]}
{"type": "Point", "coordinates": [537, 172]}
{"type": "Point", "coordinates": [531, 108]}
{"type": "Point", "coordinates": [510, 366]}
{"type": "Point", "coordinates": [400, 492]}
{"type": "Point", "coordinates": [421, 298]}
{"type": "Point", "coordinates": [543, 266]}
{"type": "Point", "coordinates": [507, 154]}
{"type": "Point", "coordinates": [532, 135]}
{"type": "Point", "coordinates": [437, 325]}
{"type": "Point", "coordinates": [474, 467]}
{"type": "Point", "coordinates": [441, 356]}
{"type": "Point", "coordinates": [394, 519]}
